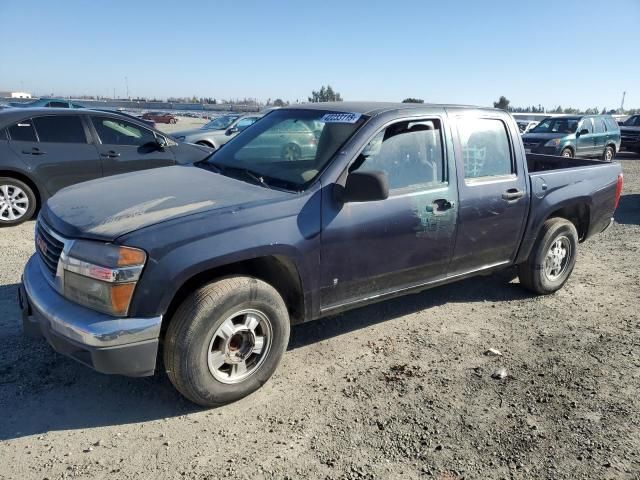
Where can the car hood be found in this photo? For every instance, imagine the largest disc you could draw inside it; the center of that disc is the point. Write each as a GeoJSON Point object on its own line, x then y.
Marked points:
{"type": "Point", "coordinates": [630, 129]}
{"type": "Point", "coordinates": [108, 208]}
{"type": "Point", "coordinates": [543, 136]}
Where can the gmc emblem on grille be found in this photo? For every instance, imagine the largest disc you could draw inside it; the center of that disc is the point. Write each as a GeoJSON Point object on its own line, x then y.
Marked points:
{"type": "Point", "coordinates": [42, 245]}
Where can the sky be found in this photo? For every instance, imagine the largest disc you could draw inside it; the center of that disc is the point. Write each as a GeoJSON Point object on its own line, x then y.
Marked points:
{"type": "Point", "coordinates": [579, 53]}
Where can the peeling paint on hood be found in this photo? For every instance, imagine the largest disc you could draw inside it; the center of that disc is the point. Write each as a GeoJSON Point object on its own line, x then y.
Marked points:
{"type": "Point", "coordinates": [107, 208]}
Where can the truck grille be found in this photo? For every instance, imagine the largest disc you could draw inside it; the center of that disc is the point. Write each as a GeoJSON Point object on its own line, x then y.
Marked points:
{"type": "Point", "coordinates": [48, 247]}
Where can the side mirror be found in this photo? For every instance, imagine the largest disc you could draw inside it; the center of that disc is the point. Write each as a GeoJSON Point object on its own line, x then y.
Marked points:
{"type": "Point", "coordinates": [161, 142]}
{"type": "Point", "coordinates": [231, 131]}
{"type": "Point", "coordinates": [584, 131]}
{"type": "Point", "coordinates": [366, 187]}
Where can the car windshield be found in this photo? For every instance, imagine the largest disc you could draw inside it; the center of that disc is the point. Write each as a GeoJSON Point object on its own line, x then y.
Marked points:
{"type": "Point", "coordinates": [557, 125]}
{"type": "Point", "coordinates": [287, 148]}
{"type": "Point", "coordinates": [220, 123]}
{"type": "Point", "coordinates": [632, 121]}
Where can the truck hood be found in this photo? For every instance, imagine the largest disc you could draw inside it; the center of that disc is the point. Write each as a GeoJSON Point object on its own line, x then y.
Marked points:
{"type": "Point", "coordinates": [108, 208]}
{"type": "Point", "coordinates": [543, 136]}
{"type": "Point", "coordinates": [630, 129]}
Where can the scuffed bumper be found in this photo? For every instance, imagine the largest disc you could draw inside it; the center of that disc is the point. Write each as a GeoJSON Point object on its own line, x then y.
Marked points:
{"type": "Point", "coordinates": [125, 346]}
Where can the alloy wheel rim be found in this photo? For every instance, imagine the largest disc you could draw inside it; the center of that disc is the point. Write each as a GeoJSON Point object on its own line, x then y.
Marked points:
{"type": "Point", "coordinates": [557, 258]}
{"type": "Point", "coordinates": [608, 155]}
{"type": "Point", "coordinates": [239, 346]}
{"type": "Point", "coordinates": [14, 203]}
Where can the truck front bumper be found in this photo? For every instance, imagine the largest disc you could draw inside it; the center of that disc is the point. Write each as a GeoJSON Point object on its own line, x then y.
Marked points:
{"type": "Point", "coordinates": [125, 346]}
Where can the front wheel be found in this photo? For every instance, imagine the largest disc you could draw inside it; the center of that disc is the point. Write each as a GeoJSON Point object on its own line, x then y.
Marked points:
{"type": "Point", "coordinates": [552, 258]}
{"type": "Point", "coordinates": [226, 340]}
{"type": "Point", "coordinates": [567, 153]}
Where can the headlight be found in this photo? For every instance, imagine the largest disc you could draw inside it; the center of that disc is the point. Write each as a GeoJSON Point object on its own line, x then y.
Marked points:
{"type": "Point", "coordinates": [553, 143]}
{"type": "Point", "coordinates": [102, 277]}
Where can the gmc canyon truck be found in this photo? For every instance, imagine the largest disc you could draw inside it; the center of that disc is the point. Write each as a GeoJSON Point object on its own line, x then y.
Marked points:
{"type": "Point", "coordinates": [208, 265]}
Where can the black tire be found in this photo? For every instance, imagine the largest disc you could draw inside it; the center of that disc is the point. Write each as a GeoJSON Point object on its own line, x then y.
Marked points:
{"type": "Point", "coordinates": [291, 152]}
{"type": "Point", "coordinates": [205, 144]}
{"type": "Point", "coordinates": [9, 209]}
{"type": "Point", "coordinates": [193, 330]}
{"type": "Point", "coordinates": [533, 273]}
{"type": "Point", "coordinates": [609, 154]}
{"type": "Point", "coordinates": [566, 152]}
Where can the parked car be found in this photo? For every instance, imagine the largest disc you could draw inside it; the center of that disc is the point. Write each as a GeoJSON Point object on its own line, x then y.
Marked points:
{"type": "Point", "coordinates": [43, 150]}
{"type": "Point", "coordinates": [47, 103]}
{"type": "Point", "coordinates": [218, 131]}
{"type": "Point", "coordinates": [526, 125]}
{"type": "Point", "coordinates": [148, 123]}
{"type": "Point", "coordinates": [216, 260]}
{"type": "Point", "coordinates": [630, 133]}
{"type": "Point", "coordinates": [160, 117]}
{"type": "Point", "coordinates": [586, 136]}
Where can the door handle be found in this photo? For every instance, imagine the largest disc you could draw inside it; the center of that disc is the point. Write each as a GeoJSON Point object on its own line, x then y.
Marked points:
{"type": "Point", "coordinates": [34, 151]}
{"type": "Point", "coordinates": [512, 194]}
{"type": "Point", "coordinates": [440, 205]}
{"type": "Point", "coordinates": [110, 154]}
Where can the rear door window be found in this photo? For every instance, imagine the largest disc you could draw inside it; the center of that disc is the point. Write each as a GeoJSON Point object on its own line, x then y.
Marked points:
{"type": "Point", "coordinates": [60, 129]}
{"type": "Point", "coordinates": [485, 146]}
{"type": "Point", "coordinates": [599, 125]}
{"type": "Point", "coordinates": [23, 131]}
{"type": "Point", "coordinates": [113, 131]}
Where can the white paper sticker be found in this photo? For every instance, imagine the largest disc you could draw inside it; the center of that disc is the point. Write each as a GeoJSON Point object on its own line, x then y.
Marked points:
{"type": "Point", "coordinates": [340, 117]}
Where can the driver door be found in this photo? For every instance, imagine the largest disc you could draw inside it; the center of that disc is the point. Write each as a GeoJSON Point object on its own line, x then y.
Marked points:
{"type": "Point", "coordinates": [585, 142]}
{"type": "Point", "coordinates": [126, 147]}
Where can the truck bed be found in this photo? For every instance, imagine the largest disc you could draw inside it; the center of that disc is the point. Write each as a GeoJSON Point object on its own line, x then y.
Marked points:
{"type": "Point", "coordinates": [540, 163]}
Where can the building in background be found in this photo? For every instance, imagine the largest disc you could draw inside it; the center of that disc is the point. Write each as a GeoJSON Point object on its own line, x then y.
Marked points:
{"type": "Point", "coordinates": [15, 95]}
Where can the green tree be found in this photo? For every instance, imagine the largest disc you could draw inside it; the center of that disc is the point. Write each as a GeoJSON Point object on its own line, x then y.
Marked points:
{"type": "Point", "coordinates": [325, 95]}
{"type": "Point", "coordinates": [278, 102]}
{"type": "Point", "coordinates": [502, 103]}
{"type": "Point", "coordinates": [412, 100]}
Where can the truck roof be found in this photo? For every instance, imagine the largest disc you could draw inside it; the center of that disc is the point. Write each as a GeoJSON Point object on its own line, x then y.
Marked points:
{"type": "Point", "coordinates": [374, 108]}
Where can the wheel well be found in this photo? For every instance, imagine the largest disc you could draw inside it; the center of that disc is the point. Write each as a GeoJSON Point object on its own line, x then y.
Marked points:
{"type": "Point", "coordinates": [612, 145]}
{"type": "Point", "coordinates": [278, 271]}
{"type": "Point", "coordinates": [25, 179]}
{"type": "Point", "coordinates": [577, 214]}
{"type": "Point", "coordinates": [568, 147]}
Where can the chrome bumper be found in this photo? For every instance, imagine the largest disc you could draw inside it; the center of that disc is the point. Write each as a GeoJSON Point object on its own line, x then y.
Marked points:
{"type": "Point", "coordinates": [126, 346]}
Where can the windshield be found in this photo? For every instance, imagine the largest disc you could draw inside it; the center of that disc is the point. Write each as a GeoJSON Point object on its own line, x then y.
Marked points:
{"type": "Point", "coordinates": [632, 121]}
{"type": "Point", "coordinates": [557, 125]}
{"type": "Point", "coordinates": [220, 123]}
{"type": "Point", "coordinates": [287, 148]}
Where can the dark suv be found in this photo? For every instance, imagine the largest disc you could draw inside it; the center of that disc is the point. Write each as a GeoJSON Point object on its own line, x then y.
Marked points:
{"type": "Point", "coordinates": [587, 136]}
{"type": "Point", "coordinates": [630, 133]}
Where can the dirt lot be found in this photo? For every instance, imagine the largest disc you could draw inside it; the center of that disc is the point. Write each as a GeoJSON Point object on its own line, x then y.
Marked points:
{"type": "Point", "coordinates": [396, 390]}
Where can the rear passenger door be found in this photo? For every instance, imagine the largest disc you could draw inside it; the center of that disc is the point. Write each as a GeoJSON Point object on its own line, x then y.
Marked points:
{"type": "Point", "coordinates": [599, 136]}
{"type": "Point", "coordinates": [126, 147]}
{"type": "Point", "coordinates": [56, 148]}
{"type": "Point", "coordinates": [585, 142]}
{"type": "Point", "coordinates": [493, 193]}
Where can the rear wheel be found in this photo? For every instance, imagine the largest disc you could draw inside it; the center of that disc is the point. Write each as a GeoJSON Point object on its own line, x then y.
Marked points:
{"type": "Point", "coordinates": [608, 154]}
{"type": "Point", "coordinates": [552, 258]}
{"type": "Point", "coordinates": [226, 340]}
{"type": "Point", "coordinates": [17, 202]}
{"type": "Point", "coordinates": [567, 153]}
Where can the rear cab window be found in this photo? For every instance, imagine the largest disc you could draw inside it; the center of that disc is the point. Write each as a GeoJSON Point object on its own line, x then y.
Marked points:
{"type": "Point", "coordinates": [486, 148]}
{"type": "Point", "coordinates": [23, 131]}
{"type": "Point", "coordinates": [60, 129]}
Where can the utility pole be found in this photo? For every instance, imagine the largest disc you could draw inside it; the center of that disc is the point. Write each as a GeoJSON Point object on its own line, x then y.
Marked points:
{"type": "Point", "coordinates": [126, 82]}
{"type": "Point", "coordinates": [624, 94]}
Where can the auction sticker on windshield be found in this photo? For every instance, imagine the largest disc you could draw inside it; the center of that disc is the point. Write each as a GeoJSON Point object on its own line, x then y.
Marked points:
{"type": "Point", "coordinates": [340, 117]}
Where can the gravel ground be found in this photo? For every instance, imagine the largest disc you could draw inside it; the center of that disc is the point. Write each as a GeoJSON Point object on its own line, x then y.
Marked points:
{"type": "Point", "coordinates": [396, 390]}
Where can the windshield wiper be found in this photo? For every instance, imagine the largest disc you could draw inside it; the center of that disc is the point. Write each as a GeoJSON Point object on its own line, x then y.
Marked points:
{"type": "Point", "coordinates": [248, 173]}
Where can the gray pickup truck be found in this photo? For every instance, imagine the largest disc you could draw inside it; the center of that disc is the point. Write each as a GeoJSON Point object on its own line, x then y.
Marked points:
{"type": "Point", "coordinates": [208, 265]}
